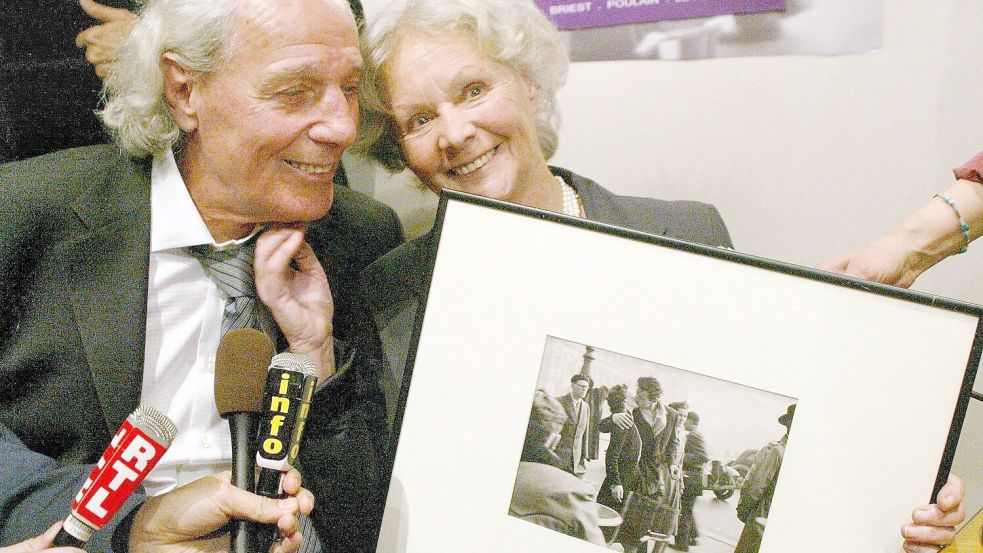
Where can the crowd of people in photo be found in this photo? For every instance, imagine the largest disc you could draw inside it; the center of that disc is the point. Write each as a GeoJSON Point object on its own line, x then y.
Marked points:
{"type": "Point", "coordinates": [228, 120]}
{"type": "Point", "coordinates": [655, 467]}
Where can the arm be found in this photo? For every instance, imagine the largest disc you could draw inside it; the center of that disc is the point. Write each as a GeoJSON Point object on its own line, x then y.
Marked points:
{"type": "Point", "coordinates": [36, 492]}
{"type": "Point", "coordinates": [930, 235]}
{"type": "Point", "coordinates": [612, 457]}
{"type": "Point", "coordinates": [344, 460]}
{"type": "Point", "coordinates": [672, 440]}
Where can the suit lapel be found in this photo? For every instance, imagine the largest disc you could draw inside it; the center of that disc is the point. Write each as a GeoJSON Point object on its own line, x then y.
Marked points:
{"type": "Point", "coordinates": [107, 285]}
{"type": "Point", "coordinates": [567, 402]}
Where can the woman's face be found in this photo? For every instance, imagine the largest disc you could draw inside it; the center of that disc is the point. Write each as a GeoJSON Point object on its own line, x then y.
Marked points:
{"type": "Point", "coordinates": [465, 121]}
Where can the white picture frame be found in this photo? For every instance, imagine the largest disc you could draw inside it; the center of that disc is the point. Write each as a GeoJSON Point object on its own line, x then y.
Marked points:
{"type": "Point", "coordinates": [881, 375]}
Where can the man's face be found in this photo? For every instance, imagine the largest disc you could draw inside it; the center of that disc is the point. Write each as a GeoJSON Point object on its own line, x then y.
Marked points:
{"type": "Point", "coordinates": [270, 124]}
{"type": "Point", "coordinates": [578, 389]}
{"type": "Point", "coordinates": [643, 400]}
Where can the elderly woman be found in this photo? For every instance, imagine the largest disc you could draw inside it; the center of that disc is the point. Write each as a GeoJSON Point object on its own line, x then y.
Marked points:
{"type": "Point", "coordinates": [463, 93]}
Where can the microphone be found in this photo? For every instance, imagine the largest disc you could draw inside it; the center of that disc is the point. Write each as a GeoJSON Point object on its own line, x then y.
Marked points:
{"type": "Point", "coordinates": [140, 442]}
{"type": "Point", "coordinates": [287, 399]}
{"type": "Point", "coordinates": [240, 365]}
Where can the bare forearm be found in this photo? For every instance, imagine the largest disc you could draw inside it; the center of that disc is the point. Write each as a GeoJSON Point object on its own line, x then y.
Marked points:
{"type": "Point", "coordinates": [933, 232]}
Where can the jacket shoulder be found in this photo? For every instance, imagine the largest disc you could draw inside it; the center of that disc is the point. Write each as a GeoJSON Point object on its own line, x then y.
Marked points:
{"type": "Point", "coordinates": [398, 275]}
{"type": "Point", "coordinates": [59, 175]}
{"type": "Point", "coordinates": [360, 228]}
{"type": "Point", "coordinates": [687, 220]}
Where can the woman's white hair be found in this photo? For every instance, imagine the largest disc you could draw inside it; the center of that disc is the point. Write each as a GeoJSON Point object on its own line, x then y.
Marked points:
{"type": "Point", "coordinates": [197, 33]}
{"type": "Point", "coordinates": [514, 33]}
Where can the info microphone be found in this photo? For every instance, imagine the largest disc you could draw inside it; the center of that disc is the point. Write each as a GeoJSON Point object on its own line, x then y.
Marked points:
{"type": "Point", "coordinates": [290, 385]}
{"type": "Point", "coordinates": [240, 370]}
{"type": "Point", "coordinates": [140, 442]}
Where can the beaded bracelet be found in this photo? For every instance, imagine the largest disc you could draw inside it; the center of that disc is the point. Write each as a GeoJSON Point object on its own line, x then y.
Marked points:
{"type": "Point", "coordinates": [963, 227]}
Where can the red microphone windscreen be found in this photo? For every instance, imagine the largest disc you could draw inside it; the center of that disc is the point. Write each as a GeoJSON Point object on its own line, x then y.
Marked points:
{"type": "Point", "coordinates": [241, 364]}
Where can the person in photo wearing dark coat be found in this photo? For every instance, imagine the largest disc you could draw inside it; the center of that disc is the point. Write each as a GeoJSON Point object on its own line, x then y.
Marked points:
{"type": "Point", "coordinates": [759, 488]}
{"type": "Point", "coordinates": [694, 457]}
{"type": "Point", "coordinates": [622, 456]}
{"type": "Point", "coordinates": [572, 449]}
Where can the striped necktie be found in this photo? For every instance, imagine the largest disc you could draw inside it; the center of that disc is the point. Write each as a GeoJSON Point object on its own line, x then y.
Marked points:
{"type": "Point", "coordinates": [232, 270]}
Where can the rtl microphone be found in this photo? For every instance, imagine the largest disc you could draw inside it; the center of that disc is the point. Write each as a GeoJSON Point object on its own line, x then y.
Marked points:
{"type": "Point", "coordinates": [290, 385]}
{"type": "Point", "coordinates": [240, 370]}
{"type": "Point", "coordinates": [140, 442]}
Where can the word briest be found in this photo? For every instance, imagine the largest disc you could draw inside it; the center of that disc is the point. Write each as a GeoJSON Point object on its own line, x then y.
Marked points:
{"type": "Point", "coordinates": [573, 7]}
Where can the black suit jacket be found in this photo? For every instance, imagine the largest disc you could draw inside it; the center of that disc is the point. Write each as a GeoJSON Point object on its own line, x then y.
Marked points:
{"type": "Point", "coordinates": [392, 287]}
{"type": "Point", "coordinates": [74, 257]}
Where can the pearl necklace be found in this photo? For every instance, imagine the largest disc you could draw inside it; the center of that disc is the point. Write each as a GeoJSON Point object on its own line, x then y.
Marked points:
{"type": "Point", "coordinates": [571, 200]}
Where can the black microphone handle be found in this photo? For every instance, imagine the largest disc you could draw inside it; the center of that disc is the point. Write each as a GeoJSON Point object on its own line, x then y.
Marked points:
{"type": "Point", "coordinates": [268, 485]}
{"type": "Point", "coordinates": [64, 539]}
{"type": "Point", "coordinates": [242, 427]}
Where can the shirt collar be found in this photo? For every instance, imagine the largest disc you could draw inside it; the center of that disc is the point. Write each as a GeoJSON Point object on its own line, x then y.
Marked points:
{"type": "Point", "coordinates": [174, 220]}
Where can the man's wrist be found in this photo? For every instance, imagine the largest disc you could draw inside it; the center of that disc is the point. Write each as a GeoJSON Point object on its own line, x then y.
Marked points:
{"type": "Point", "coordinates": [322, 354]}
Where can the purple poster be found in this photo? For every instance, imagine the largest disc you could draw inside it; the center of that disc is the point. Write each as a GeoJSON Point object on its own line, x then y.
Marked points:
{"type": "Point", "coordinates": [568, 14]}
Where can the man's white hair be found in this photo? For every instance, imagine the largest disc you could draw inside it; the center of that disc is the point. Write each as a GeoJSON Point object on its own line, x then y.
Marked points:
{"type": "Point", "coordinates": [198, 33]}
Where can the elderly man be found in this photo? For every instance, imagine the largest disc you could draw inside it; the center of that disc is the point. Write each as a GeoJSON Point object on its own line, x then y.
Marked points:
{"type": "Point", "coordinates": [233, 115]}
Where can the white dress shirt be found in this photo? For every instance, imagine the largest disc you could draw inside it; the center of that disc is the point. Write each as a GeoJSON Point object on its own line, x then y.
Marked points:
{"type": "Point", "coordinates": [184, 322]}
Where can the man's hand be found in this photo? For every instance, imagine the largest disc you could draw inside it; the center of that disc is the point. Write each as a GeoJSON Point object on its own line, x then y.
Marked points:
{"type": "Point", "coordinates": [618, 491]}
{"type": "Point", "coordinates": [292, 284]}
{"type": "Point", "coordinates": [934, 525]}
{"type": "Point", "coordinates": [103, 41]}
{"type": "Point", "coordinates": [623, 421]}
{"type": "Point", "coordinates": [41, 543]}
{"type": "Point", "coordinates": [194, 517]}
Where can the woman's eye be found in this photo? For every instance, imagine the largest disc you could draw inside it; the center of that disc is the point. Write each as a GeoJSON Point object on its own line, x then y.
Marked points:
{"type": "Point", "coordinates": [475, 90]}
{"type": "Point", "coordinates": [418, 121]}
{"type": "Point", "coordinates": [351, 89]}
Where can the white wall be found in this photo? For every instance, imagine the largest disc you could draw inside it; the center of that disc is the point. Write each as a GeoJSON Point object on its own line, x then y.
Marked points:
{"type": "Point", "coordinates": [805, 157]}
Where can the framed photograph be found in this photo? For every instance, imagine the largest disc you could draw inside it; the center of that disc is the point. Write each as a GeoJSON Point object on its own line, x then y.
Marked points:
{"type": "Point", "coordinates": [577, 387]}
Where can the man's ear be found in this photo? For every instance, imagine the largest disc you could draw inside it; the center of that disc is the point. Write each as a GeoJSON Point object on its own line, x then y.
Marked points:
{"type": "Point", "coordinates": [179, 92]}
